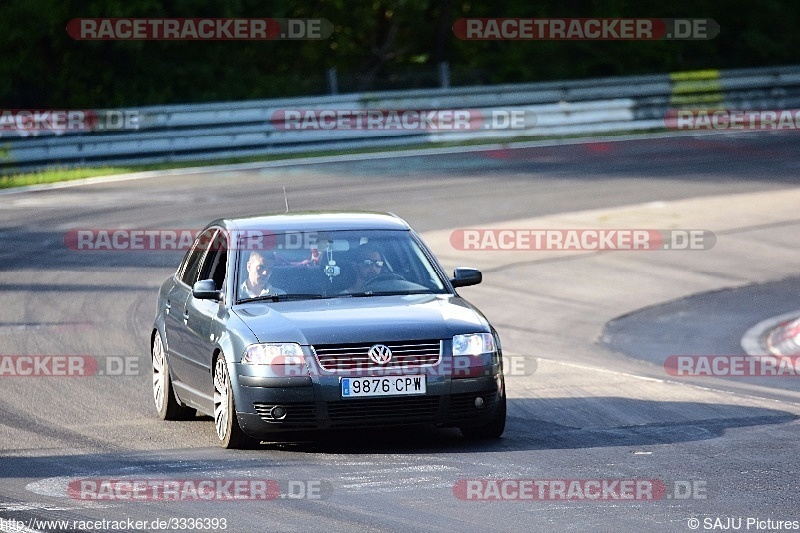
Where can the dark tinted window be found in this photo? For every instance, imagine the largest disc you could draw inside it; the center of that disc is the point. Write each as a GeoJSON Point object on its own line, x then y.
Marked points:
{"type": "Point", "coordinates": [189, 269]}
{"type": "Point", "coordinates": [215, 263]}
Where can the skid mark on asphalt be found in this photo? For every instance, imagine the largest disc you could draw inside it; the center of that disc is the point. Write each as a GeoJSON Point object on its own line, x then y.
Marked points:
{"type": "Point", "coordinates": [10, 417]}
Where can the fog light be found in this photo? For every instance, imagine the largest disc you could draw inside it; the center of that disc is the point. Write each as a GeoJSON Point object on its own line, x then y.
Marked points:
{"type": "Point", "coordinates": [478, 402]}
{"type": "Point", "coordinates": [278, 412]}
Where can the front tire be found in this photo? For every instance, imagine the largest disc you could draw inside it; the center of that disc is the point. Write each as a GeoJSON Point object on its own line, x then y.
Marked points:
{"type": "Point", "coordinates": [226, 422]}
{"type": "Point", "coordinates": [164, 395]}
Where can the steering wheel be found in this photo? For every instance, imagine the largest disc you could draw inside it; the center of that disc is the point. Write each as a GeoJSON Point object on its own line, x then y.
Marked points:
{"type": "Point", "coordinates": [383, 277]}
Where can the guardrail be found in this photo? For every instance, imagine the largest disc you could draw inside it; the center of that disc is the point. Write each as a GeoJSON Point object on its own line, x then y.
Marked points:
{"type": "Point", "coordinates": [235, 129]}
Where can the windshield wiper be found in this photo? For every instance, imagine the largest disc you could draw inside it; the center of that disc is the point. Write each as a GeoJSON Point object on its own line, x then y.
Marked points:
{"type": "Point", "coordinates": [284, 297]}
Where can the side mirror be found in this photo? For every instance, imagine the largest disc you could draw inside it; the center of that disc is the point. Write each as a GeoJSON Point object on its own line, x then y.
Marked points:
{"type": "Point", "coordinates": [464, 277]}
{"type": "Point", "coordinates": [206, 290]}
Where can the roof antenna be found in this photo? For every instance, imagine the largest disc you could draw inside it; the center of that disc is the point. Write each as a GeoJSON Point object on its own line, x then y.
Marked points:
{"type": "Point", "coordinates": [286, 199]}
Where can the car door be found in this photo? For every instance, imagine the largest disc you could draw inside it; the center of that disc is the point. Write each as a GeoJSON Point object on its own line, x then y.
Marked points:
{"type": "Point", "coordinates": [179, 337]}
{"type": "Point", "coordinates": [200, 315]}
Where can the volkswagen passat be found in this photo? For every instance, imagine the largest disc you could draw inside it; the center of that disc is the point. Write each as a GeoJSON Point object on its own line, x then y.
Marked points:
{"type": "Point", "coordinates": [322, 320]}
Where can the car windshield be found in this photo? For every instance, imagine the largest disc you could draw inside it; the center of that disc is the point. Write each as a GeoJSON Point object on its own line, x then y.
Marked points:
{"type": "Point", "coordinates": [332, 264]}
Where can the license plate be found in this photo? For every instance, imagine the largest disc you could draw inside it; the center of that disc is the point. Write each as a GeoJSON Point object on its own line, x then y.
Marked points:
{"type": "Point", "coordinates": [394, 386]}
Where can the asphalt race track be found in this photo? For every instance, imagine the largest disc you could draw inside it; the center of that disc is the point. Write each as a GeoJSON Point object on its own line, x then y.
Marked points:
{"type": "Point", "coordinates": [587, 332]}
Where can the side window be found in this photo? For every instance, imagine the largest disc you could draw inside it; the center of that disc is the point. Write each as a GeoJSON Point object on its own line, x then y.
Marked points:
{"type": "Point", "coordinates": [214, 266]}
{"type": "Point", "coordinates": [188, 274]}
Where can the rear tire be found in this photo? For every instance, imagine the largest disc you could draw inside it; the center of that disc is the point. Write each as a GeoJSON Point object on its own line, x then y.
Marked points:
{"type": "Point", "coordinates": [164, 395]}
{"type": "Point", "coordinates": [490, 430]}
{"type": "Point", "coordinates": [226, 422]}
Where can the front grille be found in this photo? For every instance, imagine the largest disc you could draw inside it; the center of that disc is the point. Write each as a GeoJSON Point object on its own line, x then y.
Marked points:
{"type": "Point", "coordinates": [405, 354]}
{"type": "Point", "coordinates": [462, 405]}
{"type": "Point", "coordinates": [383, 411]}
{"type": "Point", "coordinates": [297, 414]}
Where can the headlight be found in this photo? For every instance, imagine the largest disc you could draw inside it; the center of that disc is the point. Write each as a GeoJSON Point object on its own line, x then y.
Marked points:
{"type": "Point", "coordinates": [473, 344]}
{"type": "Point", "coordinates": [285, 353]}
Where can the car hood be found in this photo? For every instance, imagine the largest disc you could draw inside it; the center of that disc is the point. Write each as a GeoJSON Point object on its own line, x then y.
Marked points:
{"type": "Point", "coordinates": [367, 319]}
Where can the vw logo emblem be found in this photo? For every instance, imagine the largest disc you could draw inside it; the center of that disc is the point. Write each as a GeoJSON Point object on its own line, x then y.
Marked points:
{"type": "Point", "coordinates": [380, 354]}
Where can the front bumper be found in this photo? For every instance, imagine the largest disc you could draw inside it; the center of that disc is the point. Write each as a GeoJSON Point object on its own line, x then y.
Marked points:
{"type": "Point", "coordinates": [316, 403]}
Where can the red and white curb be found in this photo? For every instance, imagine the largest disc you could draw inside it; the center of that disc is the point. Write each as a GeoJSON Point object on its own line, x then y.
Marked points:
{"type": "Point", "coordinates": [778, 335]}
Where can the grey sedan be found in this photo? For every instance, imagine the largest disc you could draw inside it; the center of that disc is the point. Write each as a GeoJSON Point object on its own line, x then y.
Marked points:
{"type": "Point", "coordinates": [322, 320]}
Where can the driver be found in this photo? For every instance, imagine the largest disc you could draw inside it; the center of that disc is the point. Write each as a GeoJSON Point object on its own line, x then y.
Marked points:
{"type": "Point", "coordinates": [259, 270]}
{"type": "Point", "coordinates": [368, 263]}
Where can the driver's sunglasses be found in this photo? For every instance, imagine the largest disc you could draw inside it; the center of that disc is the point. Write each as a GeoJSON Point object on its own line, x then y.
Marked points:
{"type": "Point", "coordinates": [370, 262]}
